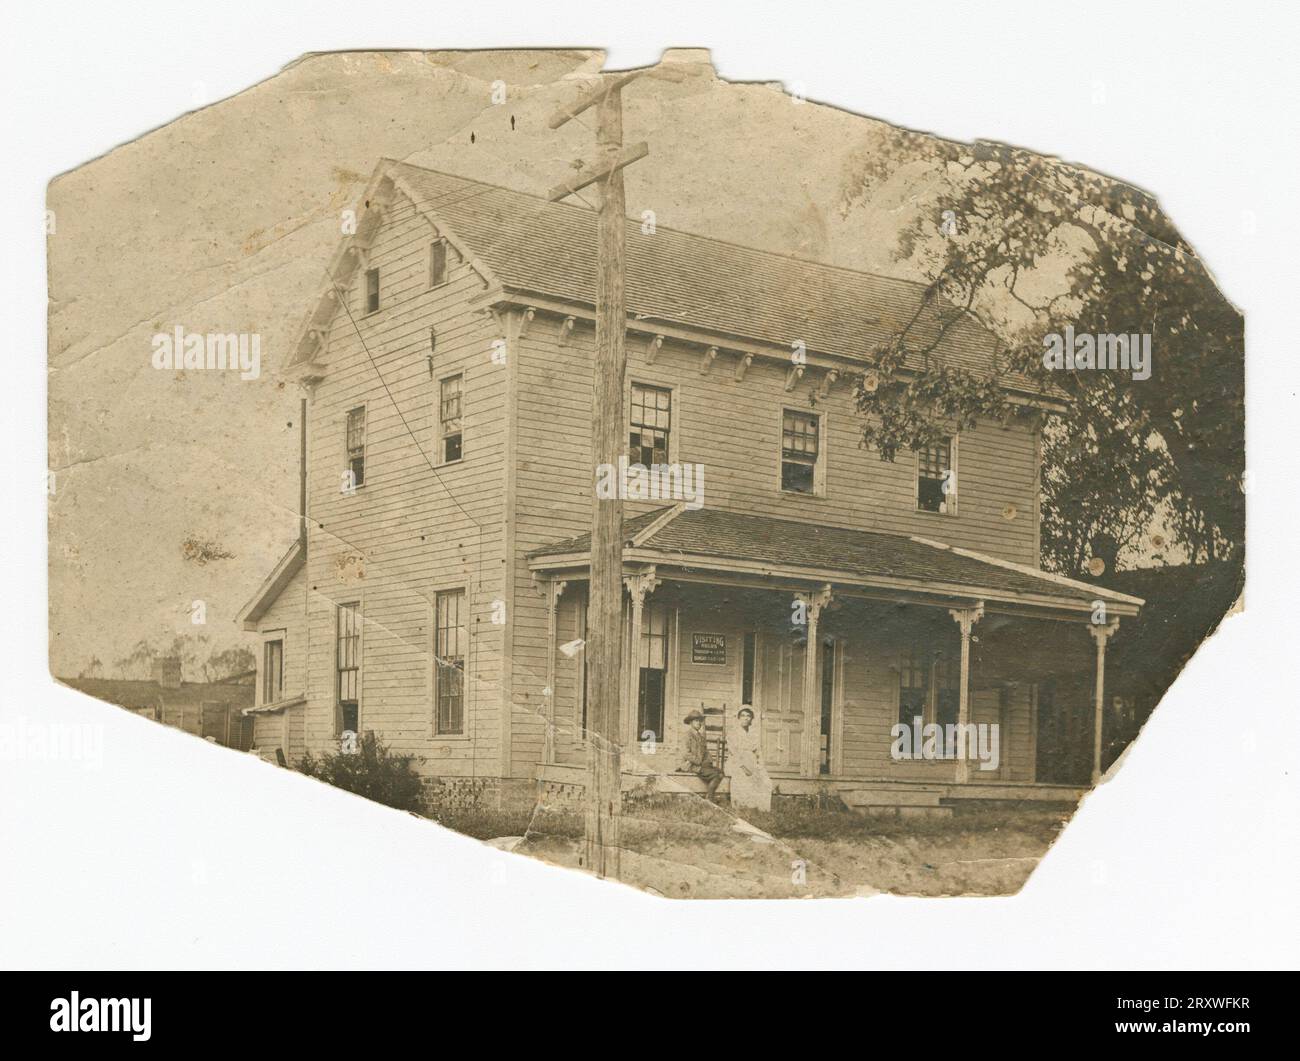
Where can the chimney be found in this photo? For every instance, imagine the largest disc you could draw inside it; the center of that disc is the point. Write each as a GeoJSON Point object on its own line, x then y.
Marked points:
{"type": "Point", "coordinates": [167, 672]}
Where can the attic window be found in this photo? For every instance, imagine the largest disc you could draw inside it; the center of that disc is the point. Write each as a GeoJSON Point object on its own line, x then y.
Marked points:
{"type": "Point", "coordinates": [438, 263]}
{"type": "Point", "coordinates": [372, 290]}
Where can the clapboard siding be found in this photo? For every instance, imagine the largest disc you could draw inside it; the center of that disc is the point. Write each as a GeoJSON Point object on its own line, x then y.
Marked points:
{"type": "Point", "coordinates": [415, 526]}
{"type": "Point", "coordinates": [733, 428]}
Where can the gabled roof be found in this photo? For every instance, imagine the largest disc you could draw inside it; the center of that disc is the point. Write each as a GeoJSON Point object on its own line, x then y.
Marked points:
{"type": "Point", "coordinates": [289, 565]}
{"type": "Point", "coordinates": [697, 537]}
{"type": "Point", "coordinates": [524, 244]}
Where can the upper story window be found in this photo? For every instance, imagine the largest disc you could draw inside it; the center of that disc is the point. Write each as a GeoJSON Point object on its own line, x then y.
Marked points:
{"type": "Point", "coordinates": [449, 644]}
{"type": "Point", "coordinates": [273, 670]}
{"type": "Point", "coordinates": [936, 478]}
{"type": "Point", "coordinates": [801, 452]}
{"type": "Point", "coordinates": [347, 716]}
{"type": "Point", "coordinates": [651, 423]}
{"type": "Point", "coordinates": [450, 422]}
{"type": "Point", "coordinates": [356, 443]}
{"type": "Point", "coordinates": [372, 290]}
{"type": "Point", "coordinates": [438, 263]}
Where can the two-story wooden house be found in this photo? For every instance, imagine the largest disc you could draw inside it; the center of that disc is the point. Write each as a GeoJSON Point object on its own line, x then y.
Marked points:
{"type": "Point", "coordinates": [438, 593]}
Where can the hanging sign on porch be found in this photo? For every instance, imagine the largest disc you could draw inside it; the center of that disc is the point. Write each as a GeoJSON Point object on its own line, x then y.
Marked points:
{"type": "Point", "coordinates": [709, 648]}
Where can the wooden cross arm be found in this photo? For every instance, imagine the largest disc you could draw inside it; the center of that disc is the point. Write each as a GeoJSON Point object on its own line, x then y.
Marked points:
{"type": "Point", "coordinates": [607, 84]}
{"type": "Point", "coordinates": [611, 164]}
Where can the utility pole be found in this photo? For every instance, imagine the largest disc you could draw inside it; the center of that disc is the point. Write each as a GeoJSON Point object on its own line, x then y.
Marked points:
{"type": "Point", "coordinates": [605, 606]}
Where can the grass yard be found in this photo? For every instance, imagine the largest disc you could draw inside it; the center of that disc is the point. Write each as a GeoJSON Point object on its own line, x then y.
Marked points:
{"type": "Point", "coordinates": [688, 848]}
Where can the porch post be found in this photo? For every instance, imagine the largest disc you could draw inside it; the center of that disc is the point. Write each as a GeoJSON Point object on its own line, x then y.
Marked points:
{"type": "Point", "coordinates": [554, 590]}
{"type": "Point", "coordinates": [639, 586]}
{"type": "Point", "coordinates": [966, 618]}
{"type": "Point", "coordinates": [813, 603]}
{"type": "Point", "coordinates": [1101, 633]}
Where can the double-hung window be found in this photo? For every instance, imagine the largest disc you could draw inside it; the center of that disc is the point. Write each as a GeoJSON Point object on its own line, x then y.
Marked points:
{"type": "Point", "coordinates": [801, 451]}
{"type": "Point", "coordinates": [449, 645]}
{"type": "Point", "coordinates": [913, 687]}
{"type": "Point", "coordinates": [356, 444]}
{"type": "Point", "coordinates": [936, 482]}
{"type": "Point", "coordinates": [450, 418]}
{"type": "Point", "coordinates": [651, 424]}
{"type": "Point", "coordinates": [272, 670]}
{"type": "Point", "coordinates": [348, 663]}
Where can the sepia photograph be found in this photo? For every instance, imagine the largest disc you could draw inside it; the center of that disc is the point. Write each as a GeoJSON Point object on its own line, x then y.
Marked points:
{"type": "Point", "coordinates": [679, 482]}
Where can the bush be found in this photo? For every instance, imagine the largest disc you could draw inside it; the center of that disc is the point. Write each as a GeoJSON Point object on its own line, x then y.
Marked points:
{"type": "Point", "coordinates": [372, 771]}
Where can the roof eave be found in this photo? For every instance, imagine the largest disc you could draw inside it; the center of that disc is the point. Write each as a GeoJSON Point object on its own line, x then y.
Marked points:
{"type": "Point", "coordinates": [289, 565]}
{"type": "Point", "coordinates": [1117, 603]}
{"type": "Point", "coordinates": [498, 295]}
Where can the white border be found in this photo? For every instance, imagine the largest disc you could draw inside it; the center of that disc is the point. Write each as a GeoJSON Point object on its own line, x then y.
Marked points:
{"type": "Point", "coordinates": [1187, 859]}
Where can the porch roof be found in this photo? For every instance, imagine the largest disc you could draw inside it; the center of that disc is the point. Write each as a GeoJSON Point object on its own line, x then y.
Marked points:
{"type": "Point", "coordinates": [711, 538]}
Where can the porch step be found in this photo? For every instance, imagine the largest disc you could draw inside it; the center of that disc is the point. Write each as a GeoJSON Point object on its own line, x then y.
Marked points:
{"type": "Point", "coordinates": [674, 783]}
{"type": "Point", "coordinates": [903, 802]}
{"type": "Point", "coordinates": [892, 797]}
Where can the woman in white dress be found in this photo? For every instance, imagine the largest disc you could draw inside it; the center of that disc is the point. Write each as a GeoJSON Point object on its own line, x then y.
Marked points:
{"type": "Point", "coordinates": [751, 788]}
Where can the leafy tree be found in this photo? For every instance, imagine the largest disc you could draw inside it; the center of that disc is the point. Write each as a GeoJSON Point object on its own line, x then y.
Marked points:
{"type": "Point", "coordinates": [137, 663]}
{"type": "Point", "coordinates": [199, 660]}
{"type": "Point", "coordinates": [229, 663]}
{"type": "Point", "coordinates": [1028, 245]}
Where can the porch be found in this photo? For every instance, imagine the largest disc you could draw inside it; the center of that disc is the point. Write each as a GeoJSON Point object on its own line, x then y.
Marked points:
{"type": "Point", "coordinates": [868, 795]}
{"type": "Point", "coordinates": [914, 643]}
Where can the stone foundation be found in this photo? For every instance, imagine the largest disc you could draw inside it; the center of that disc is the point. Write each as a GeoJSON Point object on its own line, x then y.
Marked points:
{"type": "Point", "coordinates": [468, 793]}
{"type": "Point", "coordinates": [460, 793]}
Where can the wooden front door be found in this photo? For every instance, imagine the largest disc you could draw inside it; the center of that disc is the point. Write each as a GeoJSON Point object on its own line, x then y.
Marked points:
{"type": "Point", "coordinates": [779, 700]}
{"type": "Point", "coordinates": [1064, 747]}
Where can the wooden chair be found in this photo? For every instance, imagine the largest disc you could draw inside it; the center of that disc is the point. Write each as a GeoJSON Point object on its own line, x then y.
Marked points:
{"type": "Point", "coordinates": [715, 732]}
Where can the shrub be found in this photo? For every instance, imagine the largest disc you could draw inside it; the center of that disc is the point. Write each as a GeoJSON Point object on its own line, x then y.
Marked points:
{"type": "Point", "coordinates": [372, 771]}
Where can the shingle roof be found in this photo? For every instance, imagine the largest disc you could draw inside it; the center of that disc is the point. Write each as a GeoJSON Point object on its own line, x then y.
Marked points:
{"type": "Point", "coordinates": [530, 244]}
{"type": "Point", "coordinates": [718, 534]}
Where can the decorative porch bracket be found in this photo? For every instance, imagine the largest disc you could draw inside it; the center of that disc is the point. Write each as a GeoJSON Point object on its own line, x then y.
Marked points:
{"type": "Point", "coordinates": [813, 602]}
{"type": "Point", "coordinates": [966, 618]}
{"type": "Point", "coordinates": [639, 586]}
{"type": "Point", "coordinates": [1101, 633]}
